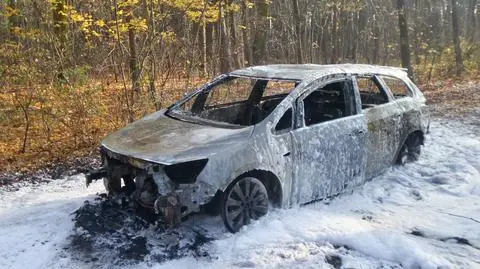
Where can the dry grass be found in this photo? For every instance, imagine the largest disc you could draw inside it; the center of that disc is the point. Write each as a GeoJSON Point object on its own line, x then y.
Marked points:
{"type": "Point", "coordinates": [451, 98]}
{"type": "Point", "coordinates": [68, 122]}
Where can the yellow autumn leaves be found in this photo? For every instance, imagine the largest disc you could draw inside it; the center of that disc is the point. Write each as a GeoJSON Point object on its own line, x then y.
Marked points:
{"type": "Point", "coordinates": [126, 18]}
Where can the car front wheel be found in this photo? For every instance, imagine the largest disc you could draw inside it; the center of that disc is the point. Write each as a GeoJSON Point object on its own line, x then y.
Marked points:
{"type": "Point", "coordinates": [244, 200]}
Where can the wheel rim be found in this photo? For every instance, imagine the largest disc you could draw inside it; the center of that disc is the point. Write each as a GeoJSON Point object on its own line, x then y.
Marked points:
{"type": "Point", "coordinates": [247, 200]}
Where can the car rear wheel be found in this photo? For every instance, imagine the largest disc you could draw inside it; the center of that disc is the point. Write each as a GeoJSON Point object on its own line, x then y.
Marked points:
{"type": "Point", "coordinates": [244, 200]}
{"type": "Point", "coordinates": [410, 151]}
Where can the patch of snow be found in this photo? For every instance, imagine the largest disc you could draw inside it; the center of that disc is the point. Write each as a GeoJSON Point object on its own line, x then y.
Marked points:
{"type": "Point", "coordinates": [422, 215]}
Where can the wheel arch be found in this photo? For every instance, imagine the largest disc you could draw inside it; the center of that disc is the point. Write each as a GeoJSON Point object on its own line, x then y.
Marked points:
{"type": "Point", "coordinates": [417, 132]}
{"type": "Point", "coordinates": [269, 180]}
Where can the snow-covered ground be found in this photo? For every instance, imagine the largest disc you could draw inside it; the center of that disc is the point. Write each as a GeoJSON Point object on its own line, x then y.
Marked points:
{"type": "Point", "coordinates": [422, 215]}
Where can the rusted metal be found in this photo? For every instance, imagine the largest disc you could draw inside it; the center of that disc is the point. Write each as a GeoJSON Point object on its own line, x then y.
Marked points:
{"type": "Point", "coordinates": [169, 207]}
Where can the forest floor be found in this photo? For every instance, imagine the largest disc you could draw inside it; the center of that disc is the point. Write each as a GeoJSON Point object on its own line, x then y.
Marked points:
{"type": "Point", "coordinates": [422, 215]}
{"type": "Point", "coordinates": [451, 98]}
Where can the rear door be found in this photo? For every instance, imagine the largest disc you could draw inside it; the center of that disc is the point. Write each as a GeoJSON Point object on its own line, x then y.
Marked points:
{"type": "Point", "coordinates": [329, 140]}
{"type": "Point", "coordinates": [383, 118]}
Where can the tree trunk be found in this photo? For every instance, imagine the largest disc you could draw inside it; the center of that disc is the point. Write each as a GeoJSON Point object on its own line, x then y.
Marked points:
{"type": "Point", "coordinates": [471, 21]}
{"type": "Point", "coordinates": [298, 32]}
{"type": "Point", "coordinates": [456, 39]}
{"type": "Point", "coordinates": [153, 61]}
{"type": "Point", "coordinates": [247, 49]}
{"type": "Point", "coordinates": [404, 44]}
{"type": "Point", "coordinates": [260, 39]}
{"type": "Point", "coordinates": [352, 37]}
{"type": "Point", "coordinates": [133, 61]}
{"type": "Point", "coordinates": [224, 44]}
{"type": "Point", "coordinates": [12, 20]}
{"type": "Point", "coordinates": [209, 46]}
{"type": "Point", "coordinates": [376, 40]}
{"type": "Point", "coordinates": [233, 38]}
{"type": "Point", "coordinates": [334, 38]}
{"type": "Point", "coordinates": [59, 19]}
{"type": "Point", "coordinates": [204, 46]}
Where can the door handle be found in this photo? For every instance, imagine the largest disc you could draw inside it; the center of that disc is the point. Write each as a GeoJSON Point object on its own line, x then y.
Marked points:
{"type": "Point", "coordinates": [357, 132]}
{"type": "Point", "coordinates": [286, 154]}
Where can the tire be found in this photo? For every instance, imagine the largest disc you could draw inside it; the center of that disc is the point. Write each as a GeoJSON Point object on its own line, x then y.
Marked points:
{"type": "Point", "coordinates": [410, 151]}
{"type": "Point", "coordinates": [244, 200]}
{"type": "Point", "coordinates": [112, 185]}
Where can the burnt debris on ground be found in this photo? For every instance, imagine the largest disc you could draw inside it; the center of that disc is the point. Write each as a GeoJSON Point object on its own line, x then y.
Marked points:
{"type": "Point", "coordinates": [334, 260]}
{"type": "Point", "coordinates": [446, 239]}
{"type": "Point", "coordinates": [106, 233]}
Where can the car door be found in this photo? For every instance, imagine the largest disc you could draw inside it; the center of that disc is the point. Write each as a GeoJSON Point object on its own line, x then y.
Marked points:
{"type": "Point", "coordinates": [383, 117]}
{"type": "Point", "coordinates": [329, 140]}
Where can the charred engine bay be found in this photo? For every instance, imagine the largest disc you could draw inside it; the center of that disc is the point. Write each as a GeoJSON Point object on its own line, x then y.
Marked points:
{"type": "Point", "coordinates": [107, 232]}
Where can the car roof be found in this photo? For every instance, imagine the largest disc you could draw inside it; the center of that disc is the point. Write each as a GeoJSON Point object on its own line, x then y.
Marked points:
{"type": "Point", "coordinates": [312, 71]}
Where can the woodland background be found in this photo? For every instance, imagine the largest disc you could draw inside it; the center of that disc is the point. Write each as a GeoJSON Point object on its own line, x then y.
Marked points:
{"type": "Point", "coordinates": [71, 71]}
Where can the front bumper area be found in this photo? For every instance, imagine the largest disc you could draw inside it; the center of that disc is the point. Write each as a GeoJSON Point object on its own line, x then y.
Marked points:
{"type": "Point", "coordinates": [146, 185]}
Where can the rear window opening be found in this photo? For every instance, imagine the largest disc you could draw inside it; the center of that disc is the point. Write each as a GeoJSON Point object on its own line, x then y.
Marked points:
{"type": "Point", "coordinates": [370, 92]}
{"type": "Point", "coordinates": [239, 101]}
{"type": "Point", "coordinates": [398, 88]}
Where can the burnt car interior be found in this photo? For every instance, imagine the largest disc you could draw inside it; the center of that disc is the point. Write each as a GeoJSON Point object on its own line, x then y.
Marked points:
{"type": "Point", "coordinates": [327, 103]}
{"type": "Point", "coordinates": [245, 101]}
{"type": "Point", "coordinates": [371, 92]}
{"type": "Point", "coordinates": [238, 100]}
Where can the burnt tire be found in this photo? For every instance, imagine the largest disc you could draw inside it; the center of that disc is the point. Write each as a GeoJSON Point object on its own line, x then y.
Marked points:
{"type": "Point", "coordinates": [112, 185]}
{"type": "Point", "coordinates": [244, 200]}
{"type": "Point", "coordinates": [411, 150]}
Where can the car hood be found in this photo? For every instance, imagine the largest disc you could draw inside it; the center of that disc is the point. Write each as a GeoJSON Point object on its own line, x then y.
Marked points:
{"type": "Point", "coordinates": [161, 139]}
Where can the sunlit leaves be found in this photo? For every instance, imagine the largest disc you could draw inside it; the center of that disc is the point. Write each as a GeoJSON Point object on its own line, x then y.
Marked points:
{"type": "Point", "coordinates": [100, 23]}
{"type": "Point", "coordinates": [10, 12]}
{"type": "Point", "coordinates": [203, 10]}
{"type": "Point", "coordinates": [168, 36]}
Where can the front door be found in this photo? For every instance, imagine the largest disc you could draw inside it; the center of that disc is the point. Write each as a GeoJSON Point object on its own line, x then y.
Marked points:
{"type": "Point", "coordinates": [329, 141]}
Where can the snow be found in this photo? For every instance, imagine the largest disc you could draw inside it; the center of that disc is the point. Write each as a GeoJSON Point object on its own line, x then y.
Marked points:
{"type": "Point", "coordinates": [422, 215]}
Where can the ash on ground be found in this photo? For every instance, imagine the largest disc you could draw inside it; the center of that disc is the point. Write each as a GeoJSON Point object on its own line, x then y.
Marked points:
{"type": "Point", "coordinates": [106, 233]}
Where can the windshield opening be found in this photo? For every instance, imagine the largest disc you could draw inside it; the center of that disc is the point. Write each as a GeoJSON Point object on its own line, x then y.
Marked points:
{"type": "Point", "coordinates": [234, 100]}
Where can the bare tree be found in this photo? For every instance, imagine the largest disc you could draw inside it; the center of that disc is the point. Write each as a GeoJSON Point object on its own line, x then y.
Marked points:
{"type": "Point", "coordinates": [404, 44]}
{"type": "Point", "coordinates": [260, 38]}
{"type": "Point", "coordinates": [456, 39]}
{"type": "Point", "coordinates": [224, 44]}
{"type": "Point", "coordinates": [298, 32]}
{"type": "Point", "coordinates": [472, 20]}
{"type": "Point", "coordinates": [247, 48]}
{"type": "Point", "coordinates": [133, 61]}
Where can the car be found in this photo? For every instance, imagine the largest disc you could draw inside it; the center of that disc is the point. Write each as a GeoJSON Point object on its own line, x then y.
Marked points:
{"type": "Point", "coordinates": [264, 137]}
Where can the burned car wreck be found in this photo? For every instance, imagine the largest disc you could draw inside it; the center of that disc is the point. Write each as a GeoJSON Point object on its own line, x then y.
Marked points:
{"type": "Point", "coordinates": [266, 136]}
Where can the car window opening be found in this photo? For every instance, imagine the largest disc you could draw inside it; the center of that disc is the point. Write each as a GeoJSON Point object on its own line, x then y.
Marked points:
{"type": "Point", "coordinates": [398, 87]}
{"type": "Point", "coordinates": [237, 100]}
{"type": "Point", "coordinates": [327, 103]}
{"type": "Point", "coordinates": [371, 94]}
{"type": "Point", "coordinates": [285, 122]}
